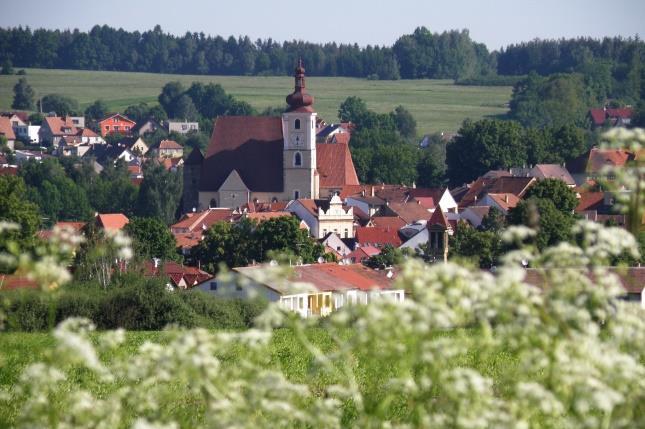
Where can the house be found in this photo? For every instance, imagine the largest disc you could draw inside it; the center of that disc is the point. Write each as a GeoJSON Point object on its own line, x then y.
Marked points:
{"type": "Point", "coordinates": [104, 154]}
{"type": "Point", "coordinates": [545, 171]}
{"type": "Point", "coordinates": [188, 232]}
{"type": "Point", "coordinates": [116, 124]}
{"type": "Point", "coordinates": [599, 207]}
{"type": "Point", "coordinates": [435, 235]}
{"type": "Point", "coordinates": [182, 127]}
{"type": "Point", "coordinates": [72, 146]}
{"type": "Point", "coordinates": [54, 128]}
{"type": "Point", "coordinates": [475, 214]}
{"type": "Point", "coordinates": [166, 149]}
{"type": "Point", "coordinates": [362, 254]}
{"type": "Point", "coordinates": [518, 186]}
{"type": "Point", "coordinates": [89, 137]}
{"type": "Point", "coordinates": [146, 126]}
{"type": "Point", "coordinates": [327, 132]}
{"type": "Point", "coordinates": [618, 117]}
{"type": "Point", "coordinates": [136, 145]}
{"type": "Point", "coordinates": [27, 155]}
{"type": "Point", "coordinates": [502, 202]}
{"type": "Point", "coordinates": [333, 242]}
{"type": "Point", "coordinates": [311, 290]}
{"type": "Point", "coordinates": [324, 216]}
{"type": "Point", "coordinates": [267, 159]}
{"type": "Point", "coordinates": [590, 165]}
{"type": "Point", "coordinates": [379, 237]}
{"type": "Point", "coordinates": [179, 276]}
{"type": "Point", "coordinates": [111, 222]}
{"type": "Point", "coordinates": [6, 131]}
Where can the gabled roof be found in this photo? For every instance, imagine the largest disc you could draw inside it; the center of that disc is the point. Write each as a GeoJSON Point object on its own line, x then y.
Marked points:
{"type": "Point", "coordinates": [106, 152]}
{"type": "Point", "coordinates": [590, 201]}
{"type": "Point", "coordinates": [505, 201]}
{"type": "Point", "coordinates": [252, 145]}
{"type": "Point", "coordinates": [595, 159]}
{"type": "Point", "coordinates": [499, 185]}
{"type": "Point", "coordinates": [438, 218]}
{"type": "Point", "coordinates": [6, 129]}
{"type": "Point", "coordinates": [335, 165]}
{"type": "Point", "coordinates": [60, 127]}
{"type": "Point", "coordinates": [176, 272]}
{"type": "Point", "coordinates": [374, 235]}
{"type": "Point", "coordinates": [553, 171]}
{"type": "Point", "coordinates": [599, 116]}
{"type": "Point", "coordinates": [86, 132]}
{"type": "Point", "coordinates": [199, 221]}
{"type": "Point", "coordinates": [167, 144]}
{"type": "Point", "coordinates": [112, 221]}
{"type": "Point", "coordinates": [410, 212]}
{"type": "Point", "coordinates": [120, 116]}
{"type": "Point", "coordinates": [393, 222]}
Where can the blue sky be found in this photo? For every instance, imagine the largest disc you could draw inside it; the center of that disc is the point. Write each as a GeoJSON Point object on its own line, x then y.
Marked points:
{"type": "Point", "coordinates": [493, 22]}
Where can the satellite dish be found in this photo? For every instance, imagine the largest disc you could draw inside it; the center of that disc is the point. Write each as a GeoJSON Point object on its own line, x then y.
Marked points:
{"type": "Point", "coordinates": [321, 259]}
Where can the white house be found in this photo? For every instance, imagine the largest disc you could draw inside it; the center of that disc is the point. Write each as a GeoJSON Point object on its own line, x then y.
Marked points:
{"type": "Point", "coordinates": [323, 217]}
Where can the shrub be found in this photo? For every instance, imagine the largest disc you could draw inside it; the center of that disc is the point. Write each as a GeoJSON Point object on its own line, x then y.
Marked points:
{"type": "Point", "coordinates": [27, 310]}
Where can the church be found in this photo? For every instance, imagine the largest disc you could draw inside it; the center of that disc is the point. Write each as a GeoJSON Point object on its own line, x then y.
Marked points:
{"type": "Point", "coordinates": [268, 159]}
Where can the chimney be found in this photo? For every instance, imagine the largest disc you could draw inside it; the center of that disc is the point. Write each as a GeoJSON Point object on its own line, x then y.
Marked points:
{"type": "Point", "coordinates": [372, 191]}
{"type": "Point", "coordinates": [506, 198]}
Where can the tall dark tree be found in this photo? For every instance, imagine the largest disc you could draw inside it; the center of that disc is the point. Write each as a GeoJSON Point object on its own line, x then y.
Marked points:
{"type": "Point", "coordinates": [152, 238]}
{"type": "Point", "coordinates": [23, 95]}
{"type": "Point", "coordinates": [160, 193]}
{"type": "Point", "coordinates": [62, 105]}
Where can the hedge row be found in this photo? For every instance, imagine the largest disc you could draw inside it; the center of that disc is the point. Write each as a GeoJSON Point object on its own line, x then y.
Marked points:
{"type": "Point", "coordinates": [143, 305]}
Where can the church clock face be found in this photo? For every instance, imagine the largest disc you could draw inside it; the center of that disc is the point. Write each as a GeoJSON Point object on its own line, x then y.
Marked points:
{"type": "Point", "coordinates": [297, 139]}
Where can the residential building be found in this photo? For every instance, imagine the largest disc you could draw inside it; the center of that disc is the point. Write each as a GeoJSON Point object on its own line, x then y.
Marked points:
{"type": "Point", "coordinates": [324, 216]}
{"type": "Point", "coordinates": [618, 117]}
{"type": "Point", "coordinates": [362, 254]}
{"type": "Point", "coordinates": [116, 124]}
{"type": "Point", "coordinates": [178, 276]}
{"type": "Point", "coordinates": [498, 184]}
{"type": "Point", "coordinates": [379, 237]}
{"type": "Point", "coordinates": [166, 149]}
{"type": "Point", "coordinates": [590, 165]}
{"type": "Point", "coordinates": [435, 235]}
{"type": "Point", "coordinates": [182, 127]}
{"type": "Point", "coordinates": [545, 171]}
{"type": "Point", "coordinates": [6, 131]}
{"type": "Point", "coordinates": [111, 221]}
{"type": "Point", "coordinates": [54, 128]}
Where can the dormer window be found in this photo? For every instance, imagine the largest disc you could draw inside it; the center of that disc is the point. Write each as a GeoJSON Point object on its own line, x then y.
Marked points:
{"type": "Point", "coordinates": [297, 159]}
{"type": "Point", "coordinates": [296, 124]}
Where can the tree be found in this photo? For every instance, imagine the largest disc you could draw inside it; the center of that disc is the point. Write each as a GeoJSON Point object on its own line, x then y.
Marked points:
{"type": "Point", "coordinates": [431, 169]}
{"type": "Point", "coordinates": [7, 67]}
{"type": "Point", "coordinates": [152, 238]}
{"type": "Point", "coordinates": [159, 193]}
{"type": "Point", "coordinates": [390, 256]}
{"type": "Point", "coordinates": [170, 93]}
{"type": "Point", "coordinates": [15, 207]}
{"type": "Point", "coordinates": [60, 104]}
{"type": "Point", "coordinates": [483, 246]}
{"type": "Point", "coordinates": [555, 190]}
{"type": "Point", "coordinates": [553, 225]}
{"type": "Point", "coordinates": [482, 146]}
{"type": "Point", "coordinates": [405, 122]}
{"type": "Point", "coordinates": [227, 243]}
{"type": "Point", "coordinates": [284, 235]}
{"type": "Point", "coordinates": [185, 109]}
{"type": "Point", "coordinates": [23, 95]}
{"type": "Point", "coordinates": [96, 111]}
{"type": "Point", "coordinates": [494, 221]}
{"type": "Point", "coordinates": [353, 109]}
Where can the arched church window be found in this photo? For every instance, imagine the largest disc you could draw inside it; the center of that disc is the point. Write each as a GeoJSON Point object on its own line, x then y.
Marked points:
{"type": "Point", "coordinates": [213, 203]}
{"type": "Point", "coordinates": [297, 159]}
{"type": "Point", "coordinates": [296, 124]}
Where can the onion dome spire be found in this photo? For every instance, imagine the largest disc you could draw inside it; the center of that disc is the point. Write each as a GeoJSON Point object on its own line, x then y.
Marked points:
{"type": "Point", "coordinates": [299, 100]}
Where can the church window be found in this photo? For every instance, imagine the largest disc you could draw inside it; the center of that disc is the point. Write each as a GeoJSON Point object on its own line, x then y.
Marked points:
{"type": "Point", "coordinates": [296, 124]}
{"type": "Point", "coordinates": [213, 203]}
{"type": "Point", "coordinates": [296, 194]}
{"type": "Point", "coordinates": [297, 159]}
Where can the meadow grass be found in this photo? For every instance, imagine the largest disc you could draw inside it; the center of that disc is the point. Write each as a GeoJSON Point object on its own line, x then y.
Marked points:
{"type": "Point", "coordinates": [437, 105]}
{"type": "Point", "coordinates": [17, 350]}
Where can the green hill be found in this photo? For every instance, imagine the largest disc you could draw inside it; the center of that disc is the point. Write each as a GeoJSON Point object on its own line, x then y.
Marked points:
{"type": "Point", "coordinates": [437, 105]}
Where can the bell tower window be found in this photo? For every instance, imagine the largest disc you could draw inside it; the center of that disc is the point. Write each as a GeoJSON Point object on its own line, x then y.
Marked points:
{"type": "Point", "coordinates": [296, 124]}
{"type": "Point", "coordinates": [296, 195]}
{"type": "Point", "coordinates": [297, 159]}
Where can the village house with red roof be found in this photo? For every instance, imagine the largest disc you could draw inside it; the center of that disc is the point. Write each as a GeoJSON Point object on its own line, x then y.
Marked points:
{"type": "Point", "coordinates": [324, 216]}
{"type": "Point", "coordinates": [616, 117]}
{"type": "Point", "coordinates": [264, 159]}
{"type": "Point", "coordinates": [116, 124]}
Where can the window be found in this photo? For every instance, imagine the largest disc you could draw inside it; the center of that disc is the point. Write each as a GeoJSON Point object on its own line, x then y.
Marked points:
{"type": "Point", "coordinates": [296, 194]}
{"type": "Point", "coordinates": [116, 128]}
{"type": "Point", "coordinates": [213, 285]}
{"type": "Point", "coordinates": [213, 203]}
{"type": "Point", "coordinates": [297, 159]}
{"type": "Point", "coordinates": [75, 121]}
{"type": "Point", "coordinates": [184, 127]}
{"type": "Point", "coordinates": [346, 233]}
{"type": "Point", "coordinates": [107, 128]}
{"type": "Point", "coordinates": [301, 302]}
{"type": "Point", "coordinates": [296, 124]}
{"type": "Point", "coordinates": [127, 128]}
{"type": "Point", "coordinates": [238, 288]}
{"type": "Point", "coordinates": [115, 120]}
{"type": "Point", "coordinates": [324, 232]}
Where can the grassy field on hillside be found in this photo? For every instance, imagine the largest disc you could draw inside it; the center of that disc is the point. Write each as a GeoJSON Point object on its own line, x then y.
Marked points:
{"type": "Point", "coordinates": [437, 105]}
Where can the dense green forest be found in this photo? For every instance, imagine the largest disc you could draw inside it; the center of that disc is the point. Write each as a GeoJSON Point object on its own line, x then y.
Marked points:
{"type": "Point", "coordinates": [422, 54]}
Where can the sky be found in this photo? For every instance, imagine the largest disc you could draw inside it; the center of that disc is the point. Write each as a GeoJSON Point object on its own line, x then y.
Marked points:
{"type": "Point", "coordinates": [496, 23]}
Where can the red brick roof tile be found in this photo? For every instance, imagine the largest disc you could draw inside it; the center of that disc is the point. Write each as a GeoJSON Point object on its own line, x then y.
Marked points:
{"type": "Point", "coordinates": [6, 129]}
{"type": "Point", "coordinates": [335, 165]}
{"type": "Point", "coordinates": [377, 236]}
{"type": "Point", "coordinates": [112, 221]}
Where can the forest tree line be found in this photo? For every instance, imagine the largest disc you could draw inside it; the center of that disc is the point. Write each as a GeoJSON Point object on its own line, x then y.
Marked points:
{"type": "Point", "coordinates": [422, 54]}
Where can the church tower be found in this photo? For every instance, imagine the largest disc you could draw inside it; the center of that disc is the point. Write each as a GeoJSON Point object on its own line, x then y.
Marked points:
{"type": "Point", "coordinates": [299, 130]}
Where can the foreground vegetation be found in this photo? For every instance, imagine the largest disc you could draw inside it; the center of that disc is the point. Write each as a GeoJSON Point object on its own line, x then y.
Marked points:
{"type": "Point", "coordinates": [437, 105]}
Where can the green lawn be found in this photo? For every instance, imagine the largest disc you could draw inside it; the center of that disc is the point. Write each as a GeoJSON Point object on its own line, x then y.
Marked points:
{"type": "Point", "coordinates": [437, 105]}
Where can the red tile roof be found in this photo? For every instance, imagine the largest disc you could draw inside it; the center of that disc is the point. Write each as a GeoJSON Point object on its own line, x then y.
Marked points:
{"type": "Point", "coordinates": [252, 145]}
{"type": "Point", "coordinates": [176, 272]}
{"type": "Point", "coordinates": [112, 221]}
{"type": "Point", "coordinates": [335, 165]}
{"type": "Point", "coordinates": [499, 185]}
{"type": "Point", "coordinates": [122, 118]}
{"type": "Point", "coordinates": [599, 116]}
{"type": "Point", "coordinates": [60, 126]}
{"type": "Point", "coordinates": [555, 171]}
{"type": "Point", "coordinates": [9, 171]}
{"type": "Point", "coordinates": [595, 159]}
{"type": "Point", "coordinates": [393, 222]}
{"type": "Point", "coordinates": [377, 236]}
{"type": "Point", "coordinates": [167, 144]}
{"type": "Point", "coordinates": [410, 212]}
{"type": "Point", "coordinates": [333, 277]}
{"type": "Point", "coordinates": [198, 221]}
{"type": "Point", "coordinates": [76, 226]}
{"type": "Point", "coordinates": [439, 218]}
{"type": "Point", "coordinates": [362, 253]}
{"type": "Point", "coordinates": [6, 129]}
{"type": "Point", "coordinates": [426, 202]}
{"type": "Point", "coordinates": [505, 201]}
{"type": "Point", "coordinates": [86, 132]}
{"type": "Point", "coordinates": [590, 201]}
